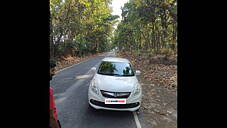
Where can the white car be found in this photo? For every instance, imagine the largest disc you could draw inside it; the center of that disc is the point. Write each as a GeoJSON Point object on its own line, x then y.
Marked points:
{"type": "Point", "coordinates": [115, 86]}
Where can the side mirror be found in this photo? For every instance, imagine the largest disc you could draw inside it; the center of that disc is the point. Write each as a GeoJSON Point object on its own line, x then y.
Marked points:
{"type": "Point", "coordinates": [93, 69]}
{"type": "Point", "coordinates": [138, 72]}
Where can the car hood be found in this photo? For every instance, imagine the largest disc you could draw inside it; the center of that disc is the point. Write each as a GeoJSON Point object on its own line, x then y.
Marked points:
{"type": "Point", "coordinates": [115, 83]}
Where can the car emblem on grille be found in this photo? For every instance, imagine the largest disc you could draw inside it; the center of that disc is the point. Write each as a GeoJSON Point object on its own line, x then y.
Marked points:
{"type": "Point", "coordinates": [109, 93]}
{"type": "Point", "coordinates": [115, 94]}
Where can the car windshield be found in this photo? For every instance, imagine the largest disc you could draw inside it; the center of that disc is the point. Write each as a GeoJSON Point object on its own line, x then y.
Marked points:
{"type": "Point", "coordinates": [116, 69]}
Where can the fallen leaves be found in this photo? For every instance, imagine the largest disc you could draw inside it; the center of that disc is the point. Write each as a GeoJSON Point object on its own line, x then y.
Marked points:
{"type": "Point", "coordinates": [70, 60]}
{"type": "Point", "coordinates": [158, 70]}
{"type": "Point", "coordinates": [157, 73]}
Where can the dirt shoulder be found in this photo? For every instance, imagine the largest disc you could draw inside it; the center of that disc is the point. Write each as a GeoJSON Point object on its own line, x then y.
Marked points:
{"type": "Point", "coordinates": [159, 85]}
{"type": "Point", "coordinates": [69, 60]}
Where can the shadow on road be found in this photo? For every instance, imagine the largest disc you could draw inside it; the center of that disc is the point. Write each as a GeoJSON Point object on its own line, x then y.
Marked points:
{"type": "Point", "coordinates": [109, 119]}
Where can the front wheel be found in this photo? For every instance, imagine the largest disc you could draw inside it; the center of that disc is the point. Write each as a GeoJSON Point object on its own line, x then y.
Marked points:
{"type": "Point", "coordinates": [138, 110]}
{"type": "Point", "coordinates": [91, 108]}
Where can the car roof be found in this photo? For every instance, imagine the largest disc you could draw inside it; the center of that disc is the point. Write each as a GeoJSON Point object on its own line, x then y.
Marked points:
{"type": "Point", "coordinates": [116, 59]}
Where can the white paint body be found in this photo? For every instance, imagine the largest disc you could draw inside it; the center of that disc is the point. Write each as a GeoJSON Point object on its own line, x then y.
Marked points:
{"type": "Point", "coordinates": [115, 84]}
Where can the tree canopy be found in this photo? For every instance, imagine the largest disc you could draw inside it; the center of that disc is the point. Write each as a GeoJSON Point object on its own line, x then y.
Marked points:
{"type": "Point", "coordinates": [80, 26]}
{"type": "Point", "coordinates": [149, 25]}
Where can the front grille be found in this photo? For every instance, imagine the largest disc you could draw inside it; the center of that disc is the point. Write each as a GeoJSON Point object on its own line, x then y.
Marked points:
{"type": "Point", "coordinates": [108, 94]}
{"type": "Point", "coordinates": [102, 104]}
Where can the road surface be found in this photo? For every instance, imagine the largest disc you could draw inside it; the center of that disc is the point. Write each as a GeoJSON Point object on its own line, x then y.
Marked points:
{"type": "Point", "coordinates": [70, 91]}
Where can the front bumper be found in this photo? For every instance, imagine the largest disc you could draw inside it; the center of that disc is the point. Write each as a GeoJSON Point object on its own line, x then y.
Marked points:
{"type": "Point", "coordinates": [133, 103]}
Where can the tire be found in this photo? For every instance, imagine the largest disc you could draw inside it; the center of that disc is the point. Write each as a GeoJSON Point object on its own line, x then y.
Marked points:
{"type": "Point", "coordinates": [138, 110]}
{"type": "Point", "coordinates": [90, 107]}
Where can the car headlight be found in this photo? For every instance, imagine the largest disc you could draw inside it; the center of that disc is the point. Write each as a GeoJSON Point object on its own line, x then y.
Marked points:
{"type": "Point", "coordinates": [137, 90]}
{"type": "Point", "coordinates": [94, 88]}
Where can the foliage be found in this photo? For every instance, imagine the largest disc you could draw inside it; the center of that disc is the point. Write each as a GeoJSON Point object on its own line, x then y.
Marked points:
{"type": "Point", "coordinates": [80, 26]}
{"type": "Point", "coordinates": [149, 25]}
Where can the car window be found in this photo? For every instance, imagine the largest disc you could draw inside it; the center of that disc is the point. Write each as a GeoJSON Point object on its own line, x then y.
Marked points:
{"type": "Point", "coordinates": [116, 68]}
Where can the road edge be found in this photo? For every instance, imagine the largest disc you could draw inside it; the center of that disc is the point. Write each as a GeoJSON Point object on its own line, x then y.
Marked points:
{"type": "Point", "coordinates": [75, 64]}
{"type": "Point", "coordinates": [136, 120]}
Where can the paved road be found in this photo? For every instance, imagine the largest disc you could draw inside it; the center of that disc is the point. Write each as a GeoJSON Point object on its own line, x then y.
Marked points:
{"type": "Point", "coordinates": [70, 92]}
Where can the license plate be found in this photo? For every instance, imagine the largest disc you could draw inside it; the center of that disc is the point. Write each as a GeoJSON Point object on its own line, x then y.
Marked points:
{"type": "Point", "coordinates": [115, 101]}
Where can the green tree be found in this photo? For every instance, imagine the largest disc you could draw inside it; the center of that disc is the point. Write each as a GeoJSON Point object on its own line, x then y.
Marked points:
{"type": "Point", "coordinates": [80, 26]}
{"type": "Point", "coordinates": [148, 25]}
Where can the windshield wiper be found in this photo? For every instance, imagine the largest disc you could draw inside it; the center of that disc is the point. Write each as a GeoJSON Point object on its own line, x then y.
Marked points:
{"type": "Point", "coordinates": [109, 74]}
{"type": "Point", "coordinates": [117, 75]}
{"type": "Point", "coordinates": [128, 75]}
